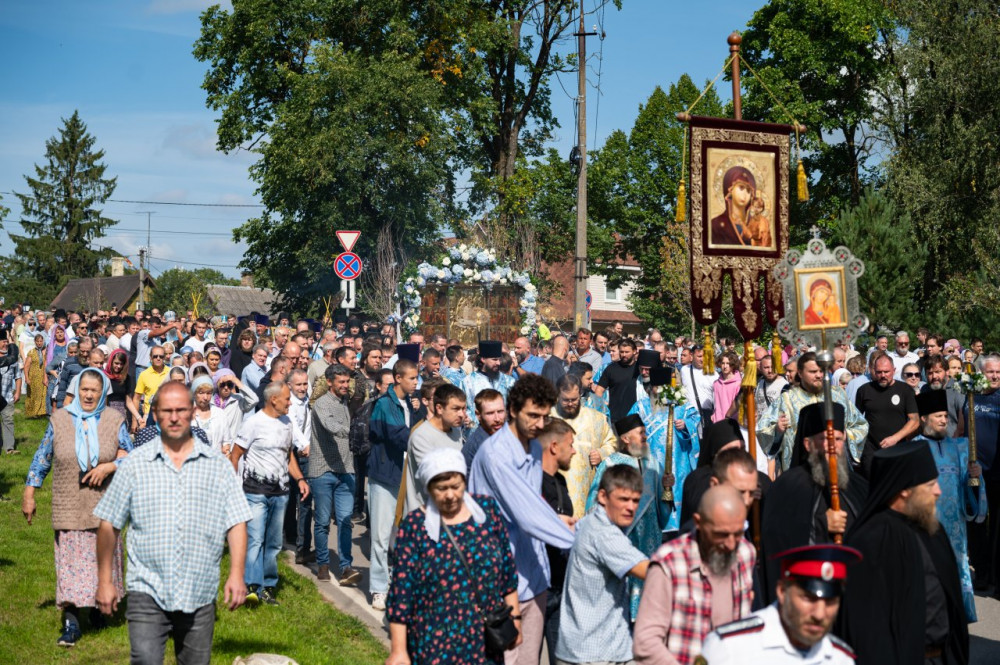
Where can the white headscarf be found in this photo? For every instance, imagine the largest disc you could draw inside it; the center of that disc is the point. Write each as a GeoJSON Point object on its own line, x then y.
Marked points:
{"type": "Point", "coordinates": [437, 462]}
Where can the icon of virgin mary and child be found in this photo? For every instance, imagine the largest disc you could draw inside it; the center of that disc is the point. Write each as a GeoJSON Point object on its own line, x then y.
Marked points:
{"type": "Point", "coordinates": [743, 223]}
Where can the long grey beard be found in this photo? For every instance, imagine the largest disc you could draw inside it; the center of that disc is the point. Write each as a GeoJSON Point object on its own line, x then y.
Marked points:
{"type": "Point", "coordinates": [820, 468]}
{"type": "Point", "coordinates": [720, 563]}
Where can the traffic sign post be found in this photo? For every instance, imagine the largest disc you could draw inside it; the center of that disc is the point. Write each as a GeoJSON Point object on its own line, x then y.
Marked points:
{"type": "Point", "coordinates": [347, 265]}
{"type": "Point", "coordinates": [348, 291]}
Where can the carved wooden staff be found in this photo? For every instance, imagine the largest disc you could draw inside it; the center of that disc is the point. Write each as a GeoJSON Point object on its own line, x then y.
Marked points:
{"type": "Point", "coordinates": [668, 460]}
{"type": "Point", "coordinates": [970, 370]}
{"type": "Point", "coordinates": [825, 359]}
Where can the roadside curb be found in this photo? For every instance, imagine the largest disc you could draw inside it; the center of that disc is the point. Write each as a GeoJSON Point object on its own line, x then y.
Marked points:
{"type": "Point", "coordinates": [350, 600]}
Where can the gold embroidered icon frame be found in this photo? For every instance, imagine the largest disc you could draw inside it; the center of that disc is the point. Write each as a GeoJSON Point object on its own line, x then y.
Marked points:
{"type": "Point", "coordinates": [754, 154]}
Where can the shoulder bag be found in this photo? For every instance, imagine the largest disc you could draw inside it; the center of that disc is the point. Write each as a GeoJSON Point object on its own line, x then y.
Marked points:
{"type": "Point", "coordinates": [499, 631]}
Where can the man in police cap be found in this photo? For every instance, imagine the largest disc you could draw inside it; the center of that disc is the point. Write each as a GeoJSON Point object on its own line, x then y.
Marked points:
{"type": "Point", "coordinates": [486, 375]}
{"type": "Point", "coordinates": [904, 603]}
{"type": "Point", "coordinates": [796, 627]}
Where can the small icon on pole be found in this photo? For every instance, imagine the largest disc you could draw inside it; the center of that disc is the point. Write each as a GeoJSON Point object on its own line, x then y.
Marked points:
{"type": "Point", "coordinates": [348, 238]}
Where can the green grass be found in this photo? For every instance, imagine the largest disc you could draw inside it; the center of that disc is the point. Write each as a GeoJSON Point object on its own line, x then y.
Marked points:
{"type": "Point", "coordinates": [304, 627]}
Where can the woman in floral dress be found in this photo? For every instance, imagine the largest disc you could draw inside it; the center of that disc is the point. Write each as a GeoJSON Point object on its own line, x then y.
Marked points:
{"type": "Point", "coordinates": [434, 602]}
{"type": "Point", "coordinates": [35, 379]}
{"type": "Point", "coordinates": [81, 448]}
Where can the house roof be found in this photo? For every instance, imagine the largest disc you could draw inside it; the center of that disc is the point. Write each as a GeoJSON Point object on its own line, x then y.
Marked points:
{"type": "Point", "coordinates": [99, 292]}
{"type": "Point", "coordinates": [240, 300]}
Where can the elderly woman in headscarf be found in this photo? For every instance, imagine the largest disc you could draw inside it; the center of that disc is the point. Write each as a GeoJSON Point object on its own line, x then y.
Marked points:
{"type": "Point", "coordinates": [82, 448]}
{"type": "Point", "coordinates": [453, 564]}
{"type": "Point", "coordinates": [56, 352]}
{"type": "Point", "coordinates": [234, 399]}
{"type": "Point", "coordinates": [208, 416]}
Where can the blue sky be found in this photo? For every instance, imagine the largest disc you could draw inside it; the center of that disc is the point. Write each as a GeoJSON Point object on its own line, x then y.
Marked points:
{"type": "Point", "coordinates": [127, 67]}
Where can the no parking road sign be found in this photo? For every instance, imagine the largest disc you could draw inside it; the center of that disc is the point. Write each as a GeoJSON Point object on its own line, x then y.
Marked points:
{"type": "Point", "coordinates": [347, 265]}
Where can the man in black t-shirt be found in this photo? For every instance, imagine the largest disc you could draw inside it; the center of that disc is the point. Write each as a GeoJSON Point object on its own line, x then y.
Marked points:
{"type": "Point", "coordinates": [557, 451]}
{"type": "Point", "coordinates": [619, 380]}
{"type": "Point", "coordinates": [890, 407]}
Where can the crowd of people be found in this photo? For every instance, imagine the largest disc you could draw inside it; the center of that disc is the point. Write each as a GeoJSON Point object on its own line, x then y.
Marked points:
{"type": "Point", "coordinates": [513, 496]}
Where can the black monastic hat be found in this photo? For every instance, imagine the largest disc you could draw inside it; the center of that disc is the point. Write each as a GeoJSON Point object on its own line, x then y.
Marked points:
{"type": "Point", "coordinates": [648, 358]}
{"type": "Point", "coordinates": [490, 349]}
{"type": "Point", "coordinates": [627, 424]}
{"type": "Point", "coordinates": [408, 352]}
{"type": "Point", "coordinates": [932, 401]}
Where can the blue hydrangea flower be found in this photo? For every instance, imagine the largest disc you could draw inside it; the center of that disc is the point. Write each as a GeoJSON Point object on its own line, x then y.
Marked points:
{"type": "Point", "coordinates": [482, 258]}
{"type": "Point", "coordinates": [458, 269]}
{"type": "Point", "coordinates": [455, 253]}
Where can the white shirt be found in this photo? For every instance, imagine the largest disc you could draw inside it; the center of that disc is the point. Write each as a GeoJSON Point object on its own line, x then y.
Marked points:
{"type": "Point", "coordinates": [761, 640]}
{"type": "Point", "coordinates": [691, 376]}
{"type": "Point", "coordinates": [215, 426]}
{"type": "Point", "coordinates": [196, 344]}
{"type": "Point", "coordinates": [901, 361]}
{"type": "Point", "coordinates": [298, 411]}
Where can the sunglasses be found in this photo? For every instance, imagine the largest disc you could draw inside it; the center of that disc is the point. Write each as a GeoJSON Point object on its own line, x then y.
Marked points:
{"type": "Point", "coordinates": [227, 384]}
{"type": "Point", "coordinates": [158, 356]}
{"type": "Point", "coordinates": [911, 375]}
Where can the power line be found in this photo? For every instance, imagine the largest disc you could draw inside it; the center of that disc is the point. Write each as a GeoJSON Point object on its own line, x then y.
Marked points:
{"type": "Point", "coordinates": [169, 203]}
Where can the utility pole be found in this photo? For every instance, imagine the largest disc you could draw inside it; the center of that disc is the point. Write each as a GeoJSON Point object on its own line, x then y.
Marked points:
{"type": "Point", "coordinates": [142, 277]}
{"type": "Point", "coordinates": [143, 257]}
{"type": "Point", "coordinates": [580, 259]}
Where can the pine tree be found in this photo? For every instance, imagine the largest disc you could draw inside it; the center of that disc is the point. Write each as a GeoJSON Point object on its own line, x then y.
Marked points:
{"type": "Point", "coordinates": [61, 216]}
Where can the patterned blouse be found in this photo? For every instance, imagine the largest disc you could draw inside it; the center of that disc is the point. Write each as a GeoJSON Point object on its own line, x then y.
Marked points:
{"type": "Point", "coordinates": [432, 594]}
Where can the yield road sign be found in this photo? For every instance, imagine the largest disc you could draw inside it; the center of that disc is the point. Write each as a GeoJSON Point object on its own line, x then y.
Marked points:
{"type": "Point", "coordinates": [348, 238]}
{"type": "Point", "coordinates": [347, 265]}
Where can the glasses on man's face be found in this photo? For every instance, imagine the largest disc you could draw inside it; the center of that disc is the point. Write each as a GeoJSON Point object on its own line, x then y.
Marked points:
{"type": "Point", "coordinates": [157, 356]}
{"type": "Point", "coordinates": [902, 343]}
{"type": "Point", "coordinates": [911, 375]}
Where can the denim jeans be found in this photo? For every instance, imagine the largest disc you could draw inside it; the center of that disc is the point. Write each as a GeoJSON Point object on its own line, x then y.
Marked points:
{"type": "Point", "coordinates": [264, 531]}
{"type": "Point", "coordinates": [149, 626]}
{"type": "Point", "coordinates": [382, 513]}
{"type": "Point", "coordinates": [333, 493]}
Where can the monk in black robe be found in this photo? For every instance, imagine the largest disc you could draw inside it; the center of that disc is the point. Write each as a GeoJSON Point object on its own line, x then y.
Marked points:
{"type": "Point", "coordinates": [798, 511]}
{"type": "Point", "coordinates": [904, 603]}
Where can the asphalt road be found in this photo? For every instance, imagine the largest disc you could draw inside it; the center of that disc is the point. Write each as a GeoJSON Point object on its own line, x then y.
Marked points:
{"type": "Point", "coordinates": [984, 635]}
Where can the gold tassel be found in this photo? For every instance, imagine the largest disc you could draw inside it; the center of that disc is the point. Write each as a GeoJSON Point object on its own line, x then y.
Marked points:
{"type": "Point", "coordinates": [803, 183]}
{"type": "Point", "coordinates": [749, 368]}
{"type": "Point", "coordinates": [776, 354]}
{"type": "Point", "coordinates": [681, 214]}
{"type": "Point", "coordinates": [708, 364]}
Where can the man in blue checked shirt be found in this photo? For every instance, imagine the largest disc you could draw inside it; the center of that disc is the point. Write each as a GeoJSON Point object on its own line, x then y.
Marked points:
{"type": "Point", "coordinates": [173, 492]}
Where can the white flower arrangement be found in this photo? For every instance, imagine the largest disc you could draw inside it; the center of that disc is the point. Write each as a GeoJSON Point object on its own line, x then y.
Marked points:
{"type": "Point", "coordinates": [974, 382]}
{"type": "Point", "coordinates": [469, 265]}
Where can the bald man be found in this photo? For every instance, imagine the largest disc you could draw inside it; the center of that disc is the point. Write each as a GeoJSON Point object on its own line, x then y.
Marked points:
{"type": "Point", "coordinates": [555, 367]}
{"type": "Point", "coordinates": [712, 567]}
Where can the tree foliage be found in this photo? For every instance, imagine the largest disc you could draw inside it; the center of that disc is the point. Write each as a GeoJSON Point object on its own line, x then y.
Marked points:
{"type": "Point", "coordinates": [633, 185]}
{"type": "Point", "coordinates": [881, 234]}
{"type": "Point", "coordinates": [824, 60]}
{"type": "Point", "coordinates": [61, 216]}
{"type": "Point", "coordinates": [354, 134]}
{"type": "Point", "coordinates": [176, 287]}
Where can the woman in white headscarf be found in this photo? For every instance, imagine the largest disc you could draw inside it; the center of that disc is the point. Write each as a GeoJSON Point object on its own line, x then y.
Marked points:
{"type": "Point", "coordinates": [82, 448]}
{"type": "Point", "coordinates": [453, 564]}
{"type": "Point", "coordinates": [208, 416]}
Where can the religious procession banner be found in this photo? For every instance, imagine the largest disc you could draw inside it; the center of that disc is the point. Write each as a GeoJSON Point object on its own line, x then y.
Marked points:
{"type": "Point", "coordinates": [739, 218]}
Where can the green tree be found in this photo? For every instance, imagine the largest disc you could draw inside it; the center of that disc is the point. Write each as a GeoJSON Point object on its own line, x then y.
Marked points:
{"type": "Point", "coordinates": [61, 217]}
{"type": "Point", "coordinates": [632, 192]}
{"type": "Point", "coordinates": [176, 287]}
{"type": "Point", "coordinates": [355, 137]}
{"type": "Point", "coordinates": [825, 61]}
{"type": "Point", "coordinates": [881, 234]}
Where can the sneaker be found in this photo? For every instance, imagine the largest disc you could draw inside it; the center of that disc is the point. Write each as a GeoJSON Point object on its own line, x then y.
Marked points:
{"type": "Point", "coordinates": [323, 573]}
{"type": "Point", "coordinates": [267, 596]}
{"type": "Point", "coordinates": [378, 602]}
{"type": "Point", "coordinates": [70, 634]}
{"type": "Point", "coordinates": [359, 517]}
{"type": "Point", "coordinates": [350, 577]}
{"type": "Point", "coordinates": [252, 598]}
